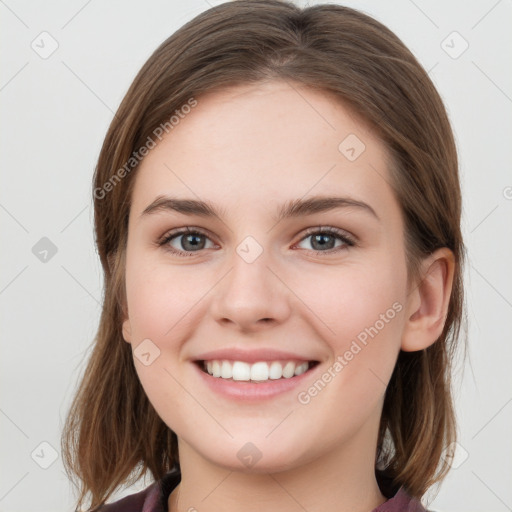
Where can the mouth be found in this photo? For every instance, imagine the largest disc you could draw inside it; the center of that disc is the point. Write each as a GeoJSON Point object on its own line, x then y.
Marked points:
{"type": "Point", "coordinates": [257, 372]}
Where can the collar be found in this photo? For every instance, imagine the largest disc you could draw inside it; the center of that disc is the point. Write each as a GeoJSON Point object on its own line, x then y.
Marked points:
{"type": "Point", "coordinates": [399, 499]}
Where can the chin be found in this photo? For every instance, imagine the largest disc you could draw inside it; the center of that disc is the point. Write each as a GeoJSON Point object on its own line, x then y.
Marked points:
{"type": "Point", "coordinates": [255, 457]}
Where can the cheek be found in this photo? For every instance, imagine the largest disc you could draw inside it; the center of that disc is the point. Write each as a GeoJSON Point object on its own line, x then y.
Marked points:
{"type": "Point", "coordinates": [159, 306]}
{"type": "Point", "coordinates": [364, 310]}
{"type": "Point", "coordinates": [158, 300]}
{"type": "Point", "coordinates": [353, 299]}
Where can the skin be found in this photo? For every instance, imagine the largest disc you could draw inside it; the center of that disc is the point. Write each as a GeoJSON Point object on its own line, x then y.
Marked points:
{"type": "Point", "coordinates": [249, 149]}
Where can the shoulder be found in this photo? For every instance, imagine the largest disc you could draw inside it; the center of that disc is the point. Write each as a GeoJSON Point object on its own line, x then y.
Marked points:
{"type": "Point", "coordinates": [399, 500]}
{"type": "Point", "coordinates": [142, 501]}
{"type": "Point", "coordinates": [151, 499]}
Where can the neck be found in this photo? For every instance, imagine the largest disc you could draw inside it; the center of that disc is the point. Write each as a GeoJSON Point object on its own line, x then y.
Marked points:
{"type": "Point", "coordinates": [342, 480]}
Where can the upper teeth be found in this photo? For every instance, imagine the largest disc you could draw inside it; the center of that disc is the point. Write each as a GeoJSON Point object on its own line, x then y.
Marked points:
{"type": "Point", "coordinates": [260, 371]}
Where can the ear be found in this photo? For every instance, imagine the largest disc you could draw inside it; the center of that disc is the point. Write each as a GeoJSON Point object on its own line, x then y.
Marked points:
{"type": "Point", "coordinates": [126, 326]}
{"type": "Point", "coordinates": [427, 304]}
{"type": "Point", "coordinates": [127, 330]}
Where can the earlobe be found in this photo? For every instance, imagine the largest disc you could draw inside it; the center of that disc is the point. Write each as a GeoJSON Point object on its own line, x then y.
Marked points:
{"type": "Point", "coordinates": [126, 326]}
{"type": "Point", "coordinates": [427, 304]}
{"type": "Point", "coordinates": [127, 331]}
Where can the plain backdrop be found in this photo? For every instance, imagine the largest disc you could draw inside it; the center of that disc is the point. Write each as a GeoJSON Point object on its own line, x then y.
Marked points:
{"type": "Point", "coordinates": [65, 68]}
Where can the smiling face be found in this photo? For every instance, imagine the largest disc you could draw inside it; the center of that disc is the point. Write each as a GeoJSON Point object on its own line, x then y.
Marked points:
{"type": "Point", "coordinates": [321, 287]}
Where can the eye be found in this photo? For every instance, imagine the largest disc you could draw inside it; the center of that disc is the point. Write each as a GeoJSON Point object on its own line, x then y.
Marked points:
{"type": "Point", "coordinates": [323, 239]}
{"type": "Point", "coordinates": [191, 241]}
{"type": "Point", "coordinates": [187, 241]}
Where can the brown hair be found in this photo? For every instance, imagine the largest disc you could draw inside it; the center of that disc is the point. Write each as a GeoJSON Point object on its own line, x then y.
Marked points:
{"type": "Point", "coordinates": [111, 429]}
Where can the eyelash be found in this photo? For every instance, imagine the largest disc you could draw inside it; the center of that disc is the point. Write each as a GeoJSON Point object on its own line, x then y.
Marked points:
{"type": "Point", "coordinates": [347, 240]}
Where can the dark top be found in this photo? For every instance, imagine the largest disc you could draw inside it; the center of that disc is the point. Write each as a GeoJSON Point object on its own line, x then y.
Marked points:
{"type": "Point", "coordinates": [154, 498]}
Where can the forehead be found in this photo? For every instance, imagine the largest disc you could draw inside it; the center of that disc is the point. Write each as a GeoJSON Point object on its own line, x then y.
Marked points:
{"type": "Point", "coordinates": [261, 143]}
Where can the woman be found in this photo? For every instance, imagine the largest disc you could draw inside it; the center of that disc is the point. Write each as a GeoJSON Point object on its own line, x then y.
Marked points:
{"type": "Point", "coordinates": [277, 213]}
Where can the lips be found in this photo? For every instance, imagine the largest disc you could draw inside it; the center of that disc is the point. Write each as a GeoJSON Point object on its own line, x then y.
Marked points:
{"type": "Point", "coordinates": [253, 391]}
{"type": "Point", "coordinates": [257, 366]}
{"type": "Point", "coordinates": [253, 356]}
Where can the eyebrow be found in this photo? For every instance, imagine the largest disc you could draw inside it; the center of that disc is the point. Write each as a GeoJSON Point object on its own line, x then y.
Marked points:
{"type": "Point", "coordinates": [290, 209]}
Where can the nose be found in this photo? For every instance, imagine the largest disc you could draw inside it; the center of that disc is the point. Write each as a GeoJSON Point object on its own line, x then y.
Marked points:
{"type": "Point", "coordinates": [251, 296]}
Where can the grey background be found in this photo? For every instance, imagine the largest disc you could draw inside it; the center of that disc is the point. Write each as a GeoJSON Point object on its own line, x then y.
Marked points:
{"type": "Point", "coordinates": [55, 112]}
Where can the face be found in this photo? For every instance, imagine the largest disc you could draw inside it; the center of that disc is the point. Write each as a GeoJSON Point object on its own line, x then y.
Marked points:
{"type": "Point", "coordinates": [318, 292]}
